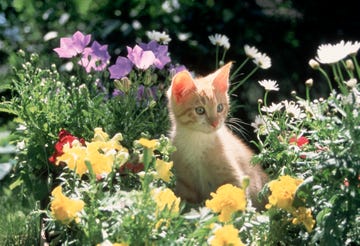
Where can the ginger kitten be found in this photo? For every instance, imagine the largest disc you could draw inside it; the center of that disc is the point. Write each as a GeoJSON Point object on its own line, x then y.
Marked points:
{"type": "Point", "coordinates": [208, 154]}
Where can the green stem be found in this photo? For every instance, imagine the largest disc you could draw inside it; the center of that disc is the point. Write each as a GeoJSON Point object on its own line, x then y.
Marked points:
{"type": "Point", "coordinates": [244, 80]}
{"type": "Point", "coordinates": [308, 94]}
{"type": "Point", "coordinates": [339, 78]}
{"type": "Point", "coordinates": [233, 75]}
{"type": "Point", "coordinates": [265, 98]}
{"type": "Point", "coordinates": [356, 66]}
{"type": "Point", "coordinates": [349, 72]}
{"type": "Point", "coordinates": [327, 78]}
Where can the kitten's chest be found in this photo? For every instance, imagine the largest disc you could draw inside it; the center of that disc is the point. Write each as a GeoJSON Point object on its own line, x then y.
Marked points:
{"type": "Point", "coordinates": [194, 149]}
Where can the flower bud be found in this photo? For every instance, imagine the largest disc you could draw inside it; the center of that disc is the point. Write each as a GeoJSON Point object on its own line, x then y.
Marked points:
{"type": "Point", "coordinates": [309, 83]}
{"type": "Point", "coordinates": [314, 64]}
{"type": "Point", "coordinates": [260, 101]}
{"type": "Point", "coordinates": [293, 93]}
{"type": "Point", "coordinates": [349, 65]}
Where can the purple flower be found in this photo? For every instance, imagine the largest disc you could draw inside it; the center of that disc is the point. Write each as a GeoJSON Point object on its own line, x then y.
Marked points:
{"type": "Point", "coordinates": [70, 47]}
{"type": "Point", "coordinates": [160, 52]}
{"type": "Point", "coordinates": [121, 68]}
{"type": "Point", "coordinates": [141, 59]}
{"type": "Point", "coordinates": [117, 93]}
{"type": "Point", "coordinates": [146, 93]}
{"type": "Point", "coordinates": [95, 57]}
{"type": "Point", "coordinates": [175, 69]}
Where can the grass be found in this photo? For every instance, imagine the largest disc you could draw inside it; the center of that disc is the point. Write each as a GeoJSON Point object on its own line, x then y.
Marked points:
{"type": "Point", "coordinates": [19, 224]}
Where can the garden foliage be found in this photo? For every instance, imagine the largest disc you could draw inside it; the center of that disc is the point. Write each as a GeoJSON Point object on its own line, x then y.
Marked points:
{"type": "Point", "coordinates": [92, 147]}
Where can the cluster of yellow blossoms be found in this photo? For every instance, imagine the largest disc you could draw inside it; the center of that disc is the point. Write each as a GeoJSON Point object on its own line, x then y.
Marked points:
{"type": "Point", "coordinates": [101, 153]}
{"type": "Point", "coordinates": [282, 196]}
{"type": "Point", "coordinates": [227, 200]}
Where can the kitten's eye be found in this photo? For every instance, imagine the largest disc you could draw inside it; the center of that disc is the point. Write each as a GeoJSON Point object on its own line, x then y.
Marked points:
{"type": "Point", "coordinates": [220, 107]}
{"type": "Point", "coordinates": [200, 110]}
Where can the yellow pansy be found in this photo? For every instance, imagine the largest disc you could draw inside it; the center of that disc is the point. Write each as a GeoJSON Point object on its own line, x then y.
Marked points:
{"type": "Point", "coordinates": [166, 199]}
{"type": "Point", "coordinates": [227, 200]}
{"type": "Point", "coordinates": [163, 170]}
{"type": "Point", "coordinates": [150, 144]}
{"type": "Point", "coordinates": [63, 208]}
{"type": "Point", "coordinates": [100, 135]}
{"type": "Point", "coordinates": [74, 158]}
{"type": "Point", "coordinates": [226, 235]}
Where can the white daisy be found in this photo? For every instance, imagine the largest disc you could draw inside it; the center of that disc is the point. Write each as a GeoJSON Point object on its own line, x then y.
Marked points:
{"type": "Point", "coordinates": [351, 83]}
{"type": "Point", "coordinates": [293, 110]}
{"type": "Point", "coordinates": [274, 107]}
{"type": "Point", "coordinates": [259, 124]}
{"type": "Point", "coordinates": [262, 60]}
{"type": "Point", "coordinates": [251, 52]}
{"type": "Point", "coordinates": [161, 37]}
{"type": "Point", "coordinates": [220, 40]}
{"type": "Point", "coordinates": [269, 85]}
{"type": "Point", "coordinates": [353, 47]}
{"type": "Point", "coordinates": [329, 54]}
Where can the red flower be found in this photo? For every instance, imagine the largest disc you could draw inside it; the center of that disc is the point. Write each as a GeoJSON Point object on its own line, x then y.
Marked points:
{"type": "Point", "coordinates": [64, 138]}
{"type": "Point", "coordinates": [299, 141]}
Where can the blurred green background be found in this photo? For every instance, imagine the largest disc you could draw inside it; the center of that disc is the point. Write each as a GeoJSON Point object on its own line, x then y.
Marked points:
{"type": "Point", "coordinates": [288, 31]}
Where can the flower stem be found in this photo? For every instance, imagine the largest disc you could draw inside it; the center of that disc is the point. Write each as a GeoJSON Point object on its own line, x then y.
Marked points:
{"type": "Point", "coordinates": [356, 66]}
{"type": "Point", "coordinates": [233, 75]}
{"type": "Point", "coordinates": [244, 80]}
{"type": "Point", "coordinates": [327, 78]}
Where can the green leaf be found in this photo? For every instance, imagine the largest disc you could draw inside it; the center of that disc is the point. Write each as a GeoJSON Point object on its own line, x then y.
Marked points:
{"type": "Point", "coordinates": [16, 183]}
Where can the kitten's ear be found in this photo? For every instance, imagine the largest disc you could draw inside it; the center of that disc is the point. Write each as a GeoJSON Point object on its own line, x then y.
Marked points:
{"type": "Point", "coordinates": [221, 81]}
{"type": "Point", "coordinates": [182, 85]}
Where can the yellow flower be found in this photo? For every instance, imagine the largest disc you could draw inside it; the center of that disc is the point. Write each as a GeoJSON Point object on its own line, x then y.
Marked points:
{"type": "Point", "coordinates": [283, 192]}
{"type": "Point", "coordinates": [100, 135]}
{"type": "Point", "coordinates": [63, 208]}
{"type": "Point", "coordinates": [303, 215]}
{"type": "Point", "coordinates": [100, 153]}
{"type": "Point", "coordinates": [227, 200]}
{"type": "Point", "coordinates": [150, 144]}
{"type": "Point", "coordinates": [74, 157]}
{"type": "Point", "coordinates": [166, 199]}
{"type": "Point", "coordinates": [226, 235]}
{"type": "Point", "coordinates": [163, 170]}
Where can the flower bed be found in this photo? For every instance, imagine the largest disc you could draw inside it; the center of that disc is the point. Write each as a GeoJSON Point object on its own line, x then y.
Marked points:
{"type": "Point", "coordinates": [92, 147]}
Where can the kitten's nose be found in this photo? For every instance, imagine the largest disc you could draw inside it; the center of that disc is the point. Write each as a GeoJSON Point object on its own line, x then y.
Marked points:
{"type": "Point", "coordinates": [214, 123]}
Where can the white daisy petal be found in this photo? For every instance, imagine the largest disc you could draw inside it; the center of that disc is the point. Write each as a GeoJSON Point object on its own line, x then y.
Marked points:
{"type": "Point", "coordinates": [220, 40]}
{"type": "Point", "coordinates": [269, 85]}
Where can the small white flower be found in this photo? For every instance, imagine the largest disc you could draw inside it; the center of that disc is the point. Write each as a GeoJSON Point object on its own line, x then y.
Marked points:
{"type": "Point", "coordinates": [293, 110]}
{"type": "Point", "coordinates": [161, 37]}
{"type": "Point", "coordinates": [351, 83]}
{"type": "Point", "coordinates": [274, 107]}
{"type": "Point", "coordinates": [258, 123]}
{"type": "Point", "coordinates": [220, 40]}
{"type": "Point", "coordinates": [262, 60]}
{"type": "Point", "coordinates": [329, 54]}
{"type": "Point", "coordinates": [251, 52]}
{"type": "Point", "coordinates": [269, 85]}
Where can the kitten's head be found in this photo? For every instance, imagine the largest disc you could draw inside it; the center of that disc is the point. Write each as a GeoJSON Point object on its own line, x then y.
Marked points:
{"type": "Point", "coordinates": [200, 104]}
